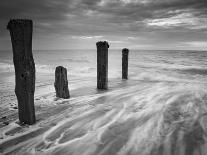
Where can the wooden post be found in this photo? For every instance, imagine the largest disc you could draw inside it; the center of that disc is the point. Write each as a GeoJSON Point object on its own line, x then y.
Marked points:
{"type": "Point", "coordinates": [61, 83]}
{"type": "Point", "coordinates": [125, 53]}
{"type": "Point", "coordinates": [21, 38]}
{"type": "Point", "coordinates": [102, 65]}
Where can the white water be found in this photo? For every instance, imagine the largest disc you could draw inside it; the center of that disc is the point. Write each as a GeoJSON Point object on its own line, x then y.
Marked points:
{"type": "Point", "coordinates": [160, 110]}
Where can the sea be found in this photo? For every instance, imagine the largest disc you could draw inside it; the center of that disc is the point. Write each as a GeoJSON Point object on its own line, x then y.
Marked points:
{"type": "Point", "coordinates": [160, 110]}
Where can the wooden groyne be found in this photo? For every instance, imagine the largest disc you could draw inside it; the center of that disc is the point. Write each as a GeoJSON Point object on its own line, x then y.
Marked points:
{"type": "Point", "coordinates": [102, 64]}
{"type": "Point", "coordinates": [61, 83]}
{"type": "Point", "coordinates": [125, 53]}
{"type": "Point", "coordinates": [21, 38]}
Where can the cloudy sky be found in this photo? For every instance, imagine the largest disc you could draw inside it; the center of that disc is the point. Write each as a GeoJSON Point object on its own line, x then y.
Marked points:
{"type": "Point", "coordinates": [136, 24]}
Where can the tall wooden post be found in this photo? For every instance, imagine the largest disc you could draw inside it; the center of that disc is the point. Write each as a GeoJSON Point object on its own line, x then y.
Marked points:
{"type": "Point", "coordinates": [125, 53]}
{"type": "Point", "coordinates": [21, 38]}
{"type": "Point", "coordinates": [61, 83]}
{"type": "Point", "coordinates": [102, 64]}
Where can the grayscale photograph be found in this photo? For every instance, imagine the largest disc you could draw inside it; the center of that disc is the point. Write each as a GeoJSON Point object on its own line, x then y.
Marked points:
{"type": "Point", "coordinates": [103, 77]}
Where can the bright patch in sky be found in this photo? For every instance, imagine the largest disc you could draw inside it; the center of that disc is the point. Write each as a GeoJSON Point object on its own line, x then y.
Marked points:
{"type": "Point", "coordinates": [135, 1]}
{"type": "Point", "coordinates": [202, 44]}
{"type": "Point", "coordinates": [185, 19]}
{"type": "Point", "coordinates": [87, 37]}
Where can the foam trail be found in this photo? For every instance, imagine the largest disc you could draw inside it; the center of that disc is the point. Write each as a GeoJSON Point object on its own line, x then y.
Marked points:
{"type": "Point", "coordinates": [161, 119]}
{"type": "Point", "coordinates": [160, 110]}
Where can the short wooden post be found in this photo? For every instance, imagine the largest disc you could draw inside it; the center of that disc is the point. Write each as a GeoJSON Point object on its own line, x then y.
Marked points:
{"type": "Point", "coordinates": [125, 53]}
{"type": "Point", "coordinates": [21, 38]}
{"type": "Point", "coordinates": [61, 83]}
{"type": "Point", "coordinates": [102, 65]}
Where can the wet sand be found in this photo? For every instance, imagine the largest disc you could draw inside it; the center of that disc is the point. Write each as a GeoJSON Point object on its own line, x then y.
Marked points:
{"type": "Point", "coordinates": [132, 117]}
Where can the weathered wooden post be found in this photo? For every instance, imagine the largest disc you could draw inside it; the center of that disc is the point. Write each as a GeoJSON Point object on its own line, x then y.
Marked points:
{"type": "Point", "coordinates": [102, 64]}
{"type": "Point", "coordinates": [61, 83]}
{"type": "Point", "coordinates": [21, 38]}
{"type": "Point", "coordinates": [125, 53]}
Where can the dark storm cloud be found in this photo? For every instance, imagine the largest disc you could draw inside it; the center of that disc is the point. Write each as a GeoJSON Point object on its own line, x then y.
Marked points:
{"type": "Point", "coordinates": [40, 9]}
{"type": "Point", "coordinates": [87, 18]}
{"type": "Point", "coordinates": [112, 11]}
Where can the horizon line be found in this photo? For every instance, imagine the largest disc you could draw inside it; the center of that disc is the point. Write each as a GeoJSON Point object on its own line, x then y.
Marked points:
{"type": "Point", "coordinates": [114, 49]}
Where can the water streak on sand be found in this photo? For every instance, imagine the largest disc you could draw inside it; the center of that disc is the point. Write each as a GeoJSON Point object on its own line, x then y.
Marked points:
{"type": "Point", "coordinates": [163, 119]}
{"type": "Point", "coordinates": [160, 110]}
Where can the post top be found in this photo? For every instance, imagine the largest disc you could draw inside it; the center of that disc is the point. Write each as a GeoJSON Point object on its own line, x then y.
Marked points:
{"type": "Point", "coordinates": [21, 22]}
{"type": "Point", "coordinates": [126, 50]}
{"type": "Point", "coordinates": [102, 44]}
{"type": "Point", "coordinates": [59, 67]}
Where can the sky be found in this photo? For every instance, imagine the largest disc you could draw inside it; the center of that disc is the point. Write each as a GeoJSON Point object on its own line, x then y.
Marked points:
{"type": "Point", "coordinates": [133, 24]}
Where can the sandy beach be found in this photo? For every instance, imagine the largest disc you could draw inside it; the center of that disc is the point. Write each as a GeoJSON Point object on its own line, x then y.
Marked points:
{"type": "Point", "coordinates": [160, 110]}
{"type": "Point", "coordinates": [112, 122]}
